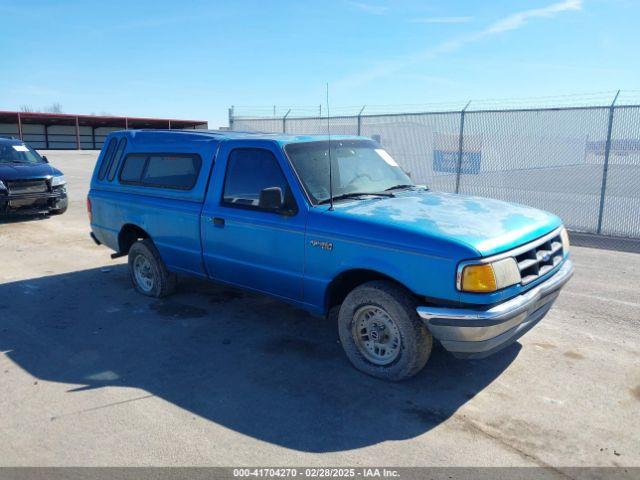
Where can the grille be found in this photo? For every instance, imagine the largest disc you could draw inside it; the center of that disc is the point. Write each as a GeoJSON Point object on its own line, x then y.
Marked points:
{"type": "Point", "coordinates": [27, 186]}
{"type": "Point", "coordinates": [540, 259]}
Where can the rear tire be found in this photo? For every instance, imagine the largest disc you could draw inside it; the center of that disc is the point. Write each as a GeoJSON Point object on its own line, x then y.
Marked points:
{"type": "Point", "coordinates": [381, 333]}
{"type": "Point", "coordinates": [148, 272]}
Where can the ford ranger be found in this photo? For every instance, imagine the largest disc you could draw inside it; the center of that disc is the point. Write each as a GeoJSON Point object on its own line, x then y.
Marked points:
{"type": "Point", "coordinates": [332, 225]}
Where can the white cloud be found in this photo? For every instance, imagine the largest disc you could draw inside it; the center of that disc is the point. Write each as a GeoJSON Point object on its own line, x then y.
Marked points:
{"type": "Point", "coordinates": [369, 8]}
{"type": "Point", "coordinates": [434, 20]}
{"type": "Point", "coordinates": [510, 22]}
{"type": "Point", "coordinates": [517, 20]}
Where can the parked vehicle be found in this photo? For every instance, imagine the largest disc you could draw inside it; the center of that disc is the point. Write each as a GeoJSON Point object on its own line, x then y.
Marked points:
{"type": "Point", "coordinates": [28, 184]}
{"type": "Point", "coordinates": [397, 263]}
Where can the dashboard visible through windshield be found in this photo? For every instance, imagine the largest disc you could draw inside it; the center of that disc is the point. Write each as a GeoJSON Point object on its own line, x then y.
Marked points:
{"type": "Point", "coordinates": [18, 153]}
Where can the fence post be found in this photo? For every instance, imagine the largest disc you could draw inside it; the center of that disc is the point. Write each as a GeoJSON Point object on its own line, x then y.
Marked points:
{"type": "Point", "coordinates": [460, 146]}
{"type": "Point", "coordinates": [231, 117]}
{"type": "Point", "coordinates": [360, 119]}
{"type": "Point", "coordinates": [78, 133]}
{"type": "Point", "coordinates": [605, 168]}
{"type": "Point", "coordinates": [20, 127]}
{"type": "Point", "coordinates": [284, 121]}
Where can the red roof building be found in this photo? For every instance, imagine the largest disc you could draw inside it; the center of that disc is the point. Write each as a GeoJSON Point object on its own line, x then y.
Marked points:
{"type": "Point", "coordinates": [82, 132]}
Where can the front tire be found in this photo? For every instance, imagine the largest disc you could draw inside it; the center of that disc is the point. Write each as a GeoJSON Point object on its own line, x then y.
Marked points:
{"type": "Point", "coordinates": [381, 333]}
{"type": "Point", "coordinates": [59, 211]}
{"type": "Point", "coordinates": [148, 272]}
{"type": "Point", "coordinates": [63, 206]}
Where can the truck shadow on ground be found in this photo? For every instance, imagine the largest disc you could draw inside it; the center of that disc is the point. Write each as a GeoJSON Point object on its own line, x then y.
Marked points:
{"type": "Point", "coordinates": [244, 361]}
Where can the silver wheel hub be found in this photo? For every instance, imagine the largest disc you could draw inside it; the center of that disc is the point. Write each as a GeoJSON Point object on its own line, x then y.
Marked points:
{"type": "Point", "coordinates": [376, 335]}
{"type": "Point", "coordinates": [143, 272]}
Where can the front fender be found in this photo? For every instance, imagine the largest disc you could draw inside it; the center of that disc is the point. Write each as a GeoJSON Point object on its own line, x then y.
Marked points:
{"type": "Point", "coordinates": [422, 274]}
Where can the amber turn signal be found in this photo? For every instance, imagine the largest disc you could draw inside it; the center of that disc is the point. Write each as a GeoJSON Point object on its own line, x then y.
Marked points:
{"type": "Point", "coordinates": [478, 278]}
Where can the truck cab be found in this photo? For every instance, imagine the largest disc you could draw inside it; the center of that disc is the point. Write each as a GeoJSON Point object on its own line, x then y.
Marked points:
{"type": "Point", "coordinates": [334, 226]}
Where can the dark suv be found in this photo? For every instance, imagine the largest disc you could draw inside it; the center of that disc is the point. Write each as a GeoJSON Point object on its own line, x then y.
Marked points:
{"type": "Point", "coordinates": [28, 184]}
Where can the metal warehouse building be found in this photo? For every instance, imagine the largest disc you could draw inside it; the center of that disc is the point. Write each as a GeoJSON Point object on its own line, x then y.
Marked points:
{"type": "Point", "coordinates": [83, 132]}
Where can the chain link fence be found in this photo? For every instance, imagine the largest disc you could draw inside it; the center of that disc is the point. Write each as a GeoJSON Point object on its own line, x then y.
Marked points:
{"type": "Point", "coordinates": [581, 163]}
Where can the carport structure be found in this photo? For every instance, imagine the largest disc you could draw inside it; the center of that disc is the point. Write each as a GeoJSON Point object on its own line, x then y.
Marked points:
{"type": "Point", "coordinates": [69, 131]}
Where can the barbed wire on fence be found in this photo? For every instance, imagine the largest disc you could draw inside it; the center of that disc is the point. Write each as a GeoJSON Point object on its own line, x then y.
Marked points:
{"type": "Point", "coordinates": [593, 99]}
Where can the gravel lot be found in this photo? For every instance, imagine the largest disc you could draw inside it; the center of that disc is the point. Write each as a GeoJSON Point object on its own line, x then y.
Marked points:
{"type": "Point", "coordinates": [96, 374]}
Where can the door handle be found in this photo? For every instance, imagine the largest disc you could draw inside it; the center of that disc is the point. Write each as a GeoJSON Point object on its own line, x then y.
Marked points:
{"type": "Point", "coordinates": [218, 222]}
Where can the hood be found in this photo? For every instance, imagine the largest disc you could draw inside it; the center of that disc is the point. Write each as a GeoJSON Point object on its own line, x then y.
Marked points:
{"type": "Point", "coordinates": [485, 225]}
{"type": "Point", "coordinates": [21, 171]}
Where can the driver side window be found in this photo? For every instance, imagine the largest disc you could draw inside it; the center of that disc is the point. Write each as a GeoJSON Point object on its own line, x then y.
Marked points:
{"type": "Point", "coordinates": [251, 171]}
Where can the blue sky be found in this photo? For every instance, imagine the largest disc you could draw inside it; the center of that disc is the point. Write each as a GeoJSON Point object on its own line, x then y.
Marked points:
{"type": "Point", "coordinates": [192, 59]}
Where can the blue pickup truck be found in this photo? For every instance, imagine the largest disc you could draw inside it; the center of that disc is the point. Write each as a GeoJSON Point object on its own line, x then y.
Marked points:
{"type": "Point", "coordinates": [332, 225]}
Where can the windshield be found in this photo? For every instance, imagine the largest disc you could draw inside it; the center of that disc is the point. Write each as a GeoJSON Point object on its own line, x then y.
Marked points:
{"type": "Point", "coordinates": [18, 153]}
{"type": "Point", "coordinates": [358, 166]}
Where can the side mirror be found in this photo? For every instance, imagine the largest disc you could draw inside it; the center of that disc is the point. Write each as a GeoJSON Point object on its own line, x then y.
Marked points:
{"type": "Point", "coordinates": [44, 157]}
{"type": "Point", "coordinates": [271, 198]}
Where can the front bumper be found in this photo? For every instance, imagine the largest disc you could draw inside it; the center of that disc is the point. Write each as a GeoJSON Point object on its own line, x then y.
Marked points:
{"type": "Point", "coordinates": [470, 333]}
{"type": "Point", "coordinates": [33, 202]}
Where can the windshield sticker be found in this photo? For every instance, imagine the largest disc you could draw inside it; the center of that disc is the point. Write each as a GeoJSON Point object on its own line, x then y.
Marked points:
{"type": "Point", "coordinates": [386, 157]}
{"type": "Point", "coordinates": [20, 148]}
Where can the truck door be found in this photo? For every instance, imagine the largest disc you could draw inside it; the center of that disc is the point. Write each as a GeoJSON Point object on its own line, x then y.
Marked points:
{"type": "Point", "coordinates": [253, 220]}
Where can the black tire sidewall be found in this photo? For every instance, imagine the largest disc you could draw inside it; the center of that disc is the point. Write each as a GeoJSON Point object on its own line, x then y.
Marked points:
{"type": "Point", "coordinates": [141, 248]}
{"type": "Point", "coordinates": [415, 339]}
{"type": "Point", "coordinates": [59, 211]}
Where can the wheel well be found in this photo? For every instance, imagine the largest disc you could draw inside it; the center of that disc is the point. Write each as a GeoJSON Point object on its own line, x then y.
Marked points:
{"type": "Point", "coordinates": [340, 286]}
{"type": "Point", "coordinates": [129, 234]}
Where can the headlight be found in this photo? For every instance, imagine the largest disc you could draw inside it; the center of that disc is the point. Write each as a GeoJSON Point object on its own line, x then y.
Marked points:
{"type": "Point", "coordinates": [57, 181]}
{"type": "Point", "coordinates": [489, 277]}
{"type": "Point", "coordinates": [2, 186]}
{"type": "Point", "coordinates": [564, 236]}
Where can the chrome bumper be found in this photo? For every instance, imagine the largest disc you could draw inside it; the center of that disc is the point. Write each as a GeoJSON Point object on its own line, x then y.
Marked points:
{"type": "Point", "coordinates": [470, 333]}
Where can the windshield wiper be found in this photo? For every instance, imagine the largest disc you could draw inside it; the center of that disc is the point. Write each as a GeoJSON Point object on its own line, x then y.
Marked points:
{"type": "Point", "coordinates": [407, 186]}
{"type": "Point", "coordinates": [356, 195]}
{"type": "Point", "coordinates": [401, 186]}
